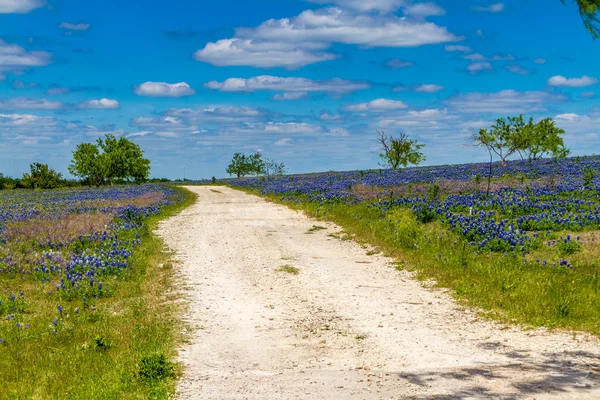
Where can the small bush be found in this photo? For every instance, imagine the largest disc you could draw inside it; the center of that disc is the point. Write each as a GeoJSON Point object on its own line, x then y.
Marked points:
{"type": "Point", "coordinates": [406, 227]}
{"type": "Point", "coordinates": [569, 247]}
{"type": "Point", "coordinates": [425, 215]}
{"type": "Point", "coordinates": [289, 269]}
{"type": "Point", "coordinates": [102, 343]}
{"type": "Point", "coordinates": [155, 367]}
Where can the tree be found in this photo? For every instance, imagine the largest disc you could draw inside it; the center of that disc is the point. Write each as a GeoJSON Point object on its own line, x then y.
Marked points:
{"type": "Point", "coordinates": [88, 163]}
{"type": "Point", "coordinates": [401, 151]}
{"type": "Point", "coordinates": [108, 160]}
{"type": "Point", "coordinates": [542, 139]}
{"type": "Point", "coordinates": [272, 167]}
{"type": "Point", "coordinates": [503, 138]}
{"type": "Point", "coordinates": [42, 176]}
{"type": "Point", "coordinates": [242, 165]}
{"type": "Point", "coordinates": [589, 10]}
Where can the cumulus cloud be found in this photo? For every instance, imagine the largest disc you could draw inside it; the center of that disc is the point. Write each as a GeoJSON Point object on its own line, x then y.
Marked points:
{"type": "Point", "coordinates": [74, 27]}
{"type": "Point", "coordinates": [274, 83]}
{"type": "Point", "coordinates": [506, 101]}
{"type": "Point", "coordinates": [422, 10]}
{"type": "Point", "coordinates": [15, 59]}
{"type": "Point", "coordinates": [493, 8]}
{"type": "Point", "coordinates": [559, 80]}
{"type": "Point", "coordinates": [260, 54]}
{"type": "Point", "coordinates": [428, 88]}
{"type": "Point", "coordinates": [19, 6]}
{"type": "Point", "coordinates": [365, 5]}
{"type": "Point", "coordinates": [107, 104]}
{"type": "Point", "coordinates": [540, 61]}
{"type": "Point", "coordinates": [302, 40]}
{"type": "Point", "coordinates": [480, 66]}
{"type": "Point", "coordinates": [163, 89]}
{"type": "Point", "coordinates": [378, 105]}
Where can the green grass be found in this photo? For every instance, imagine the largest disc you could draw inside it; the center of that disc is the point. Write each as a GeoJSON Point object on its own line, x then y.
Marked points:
{"type": "Point", "coordinates": [110, 347]}
{"type": "Point", "coordinates": [289, 269]}
{"type": "Point", "coordinates": [502, 287]}
{"type": "Point", "coordinates": [315, 228]}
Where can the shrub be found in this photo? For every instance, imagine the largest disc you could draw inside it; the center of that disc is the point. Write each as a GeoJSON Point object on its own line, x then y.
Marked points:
{"type": "Point", "coordinates": [569, 247]}
{"type": "Point", "coordinates": [406, 227]}
{"type": "Point", "coordinates": [155, 367]}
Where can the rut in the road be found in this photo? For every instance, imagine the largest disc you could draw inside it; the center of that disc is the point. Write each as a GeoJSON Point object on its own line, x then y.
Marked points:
{"type": "Point", "coordinates": [348, 326]}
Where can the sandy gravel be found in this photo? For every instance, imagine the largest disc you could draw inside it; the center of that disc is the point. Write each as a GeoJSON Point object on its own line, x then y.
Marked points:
{"type": "Point", "coordinates": [348, 326]}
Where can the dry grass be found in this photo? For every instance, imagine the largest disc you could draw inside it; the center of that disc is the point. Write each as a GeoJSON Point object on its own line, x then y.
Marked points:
{"type": "Point", "coordinates": [64, 230]}
{"type": "Point", "coordinates": [141, 201]}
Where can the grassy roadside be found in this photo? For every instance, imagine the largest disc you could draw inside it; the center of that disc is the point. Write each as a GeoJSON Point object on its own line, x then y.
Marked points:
{"type": "Point", "coordinates": [503, 287]}
{"type": "Point", "coordinates": [114, 347]}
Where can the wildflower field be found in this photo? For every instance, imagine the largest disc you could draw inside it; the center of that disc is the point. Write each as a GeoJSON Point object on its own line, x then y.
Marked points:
{"type": "Point", "coordinates": [84, 309]}
{"type": "Point", "coordinates": [523, 246]}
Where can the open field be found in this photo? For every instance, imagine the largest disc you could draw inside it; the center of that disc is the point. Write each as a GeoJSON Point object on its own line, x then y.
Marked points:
{"type": "Point", "coordinates": [283, 307]}
{"type": "Point", "coordinates": [84, 303]}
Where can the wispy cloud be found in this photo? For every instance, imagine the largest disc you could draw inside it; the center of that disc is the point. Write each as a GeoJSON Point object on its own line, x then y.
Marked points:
{"type": "Point", "coordinates": [15, 59]}
{"type": "Point", "coordinates": [74, 27]}
{"type": "Point", "coordinates": [493, 8]}
{"type": "Point", "coordinates": [274, 83]}
{"type": "Point", "coordinates": [506, 101]}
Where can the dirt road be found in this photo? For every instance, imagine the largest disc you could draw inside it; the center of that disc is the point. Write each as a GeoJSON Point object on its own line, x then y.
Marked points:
{"type": "Point", "coordinates": [347, 326]}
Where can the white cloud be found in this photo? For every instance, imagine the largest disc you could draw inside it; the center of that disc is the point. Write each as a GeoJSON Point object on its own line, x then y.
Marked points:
{"type": "Point", "coordinates": [219, 114]}
{"type": "Point", "coordinates": [290, 96]}
{"type": "Point", "coordinates": [15, 59]}
{"type": "Point", "coordinates": [19, 6]}
{"type": "Point", "coordinates": [480, 66]}
{"type": "Point", "coordinates": [506, 101]}
{"type": "Point", "coordinates": [163, 89]}
{"type": "Point", "coordinates": [302, 40]}
{"type": "Point", "coordinates": [475, 57]}
{"type": "Point", "coordinates": [509, 57]}
{"type": "Point", "coordinates": [260, 54]}
{"type": "Point", "coordinates": [365, 5]}
{"type": "Point", "coordinates": [74, 27]}
{"type": "Point", "coordinates": [422, 10]}
{"type": "Point", "coordinates": [428, 88]}
{"type": "Point", "coordinates": [378, 105]}
{"type": "Point", "coordinates": [333, 25]}
{"type": "Point", "coordinates": [107, 104]}
{"type": "Point", "coordinates": [274, 83]}
{"type": "Point", "coordinates": [456, 47]}
{"type": "Point", "coordinates": [397, 63]}
{"type": "Point", "coordinates": [517, 69]}
{"type": "Point", "coordinates": [24, 103]}
{"type": "Point", "coordinates": [493, 8]}
{"type": "Point", "coordinates": [588, 95]}
{"type": "Point", "coordinates": [559, 80]}
{"type": "Point", "coordinates": [540, 61]}
{"type": "Point", "coordinates": [283, 142]}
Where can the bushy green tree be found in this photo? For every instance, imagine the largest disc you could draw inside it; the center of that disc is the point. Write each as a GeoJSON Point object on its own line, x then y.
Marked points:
{"type": "Point", "coordinates": [400, 151]}
{"type": "Point", "coordinates": [589, 11]}
{"type": "Point", "coordinates": [243, 165]}
{"type": "Point", "coordinates": [108, 160]}
{"type": "Point", "coordinates": [42, 176]}
{"type": "Point", "coordinates": [512, 135]}
{"type": "Point", "coordinates": [535, 141]}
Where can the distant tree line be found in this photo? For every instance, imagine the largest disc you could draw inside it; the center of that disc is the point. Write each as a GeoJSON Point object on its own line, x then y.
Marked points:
{"type": "Point", "coordinates": [108, 161]}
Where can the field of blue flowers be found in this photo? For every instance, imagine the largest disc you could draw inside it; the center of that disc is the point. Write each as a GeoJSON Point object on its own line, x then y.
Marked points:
{"type": "Point", "coordinates": [519, 240]}
{"type": "Point", "coordinates": [73, 269]}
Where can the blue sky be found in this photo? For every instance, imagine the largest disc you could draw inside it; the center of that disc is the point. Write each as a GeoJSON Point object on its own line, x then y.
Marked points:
{"type": "Point", "coordinates": [308, 82]}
